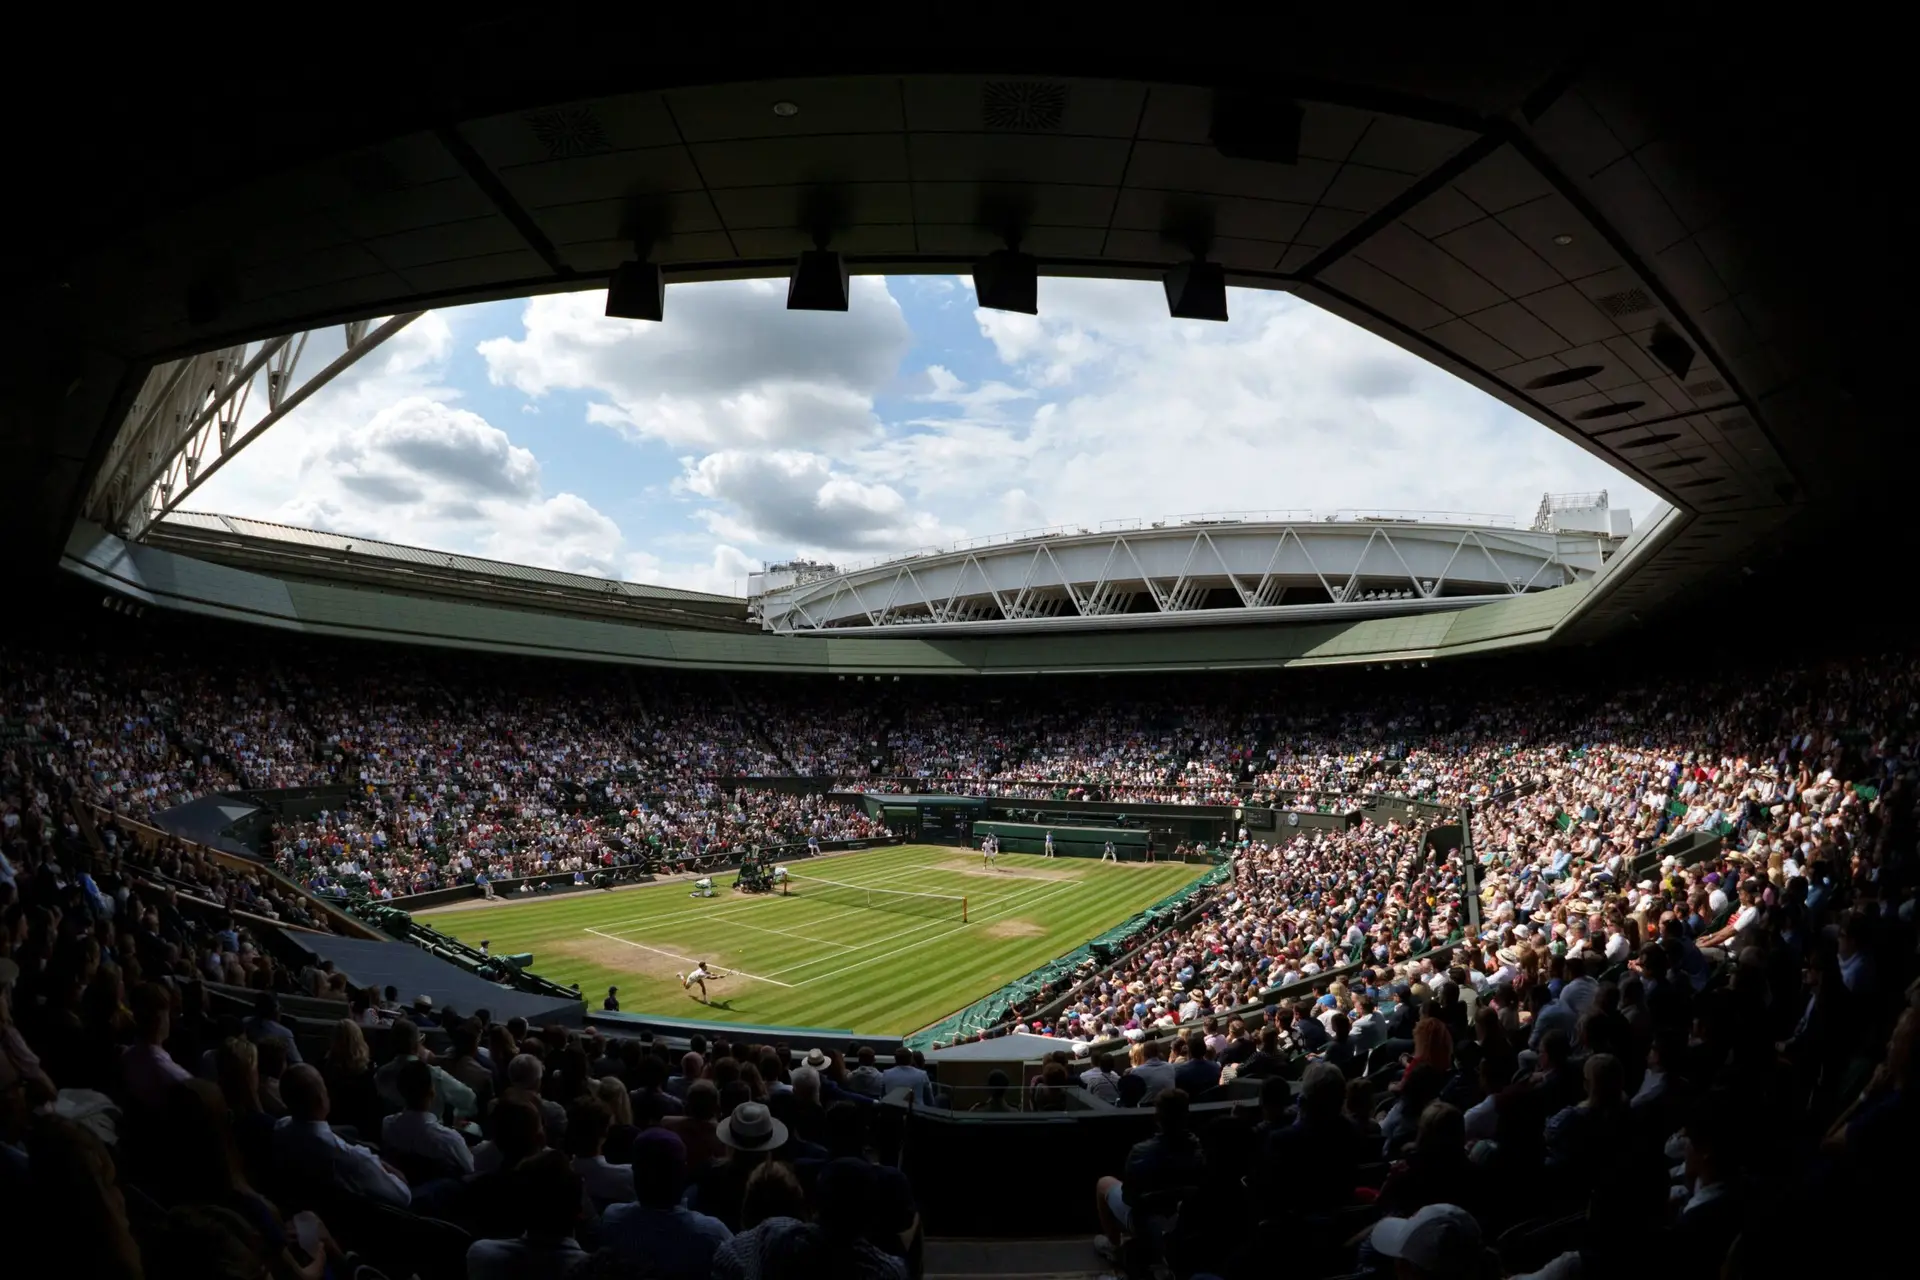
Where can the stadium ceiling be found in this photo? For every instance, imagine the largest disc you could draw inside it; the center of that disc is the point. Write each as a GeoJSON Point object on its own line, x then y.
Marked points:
{"type": "Point", "coordinates": [1666, 249]}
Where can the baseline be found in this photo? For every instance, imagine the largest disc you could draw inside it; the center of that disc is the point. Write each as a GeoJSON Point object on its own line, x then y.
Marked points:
{"type": "Point", "coordinates": [686, 959]}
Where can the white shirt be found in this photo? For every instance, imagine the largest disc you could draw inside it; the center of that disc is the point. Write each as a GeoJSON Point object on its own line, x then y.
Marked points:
{"type": "Point", "coordinates": [313, 1145]}
{"type": "Point", "coordinates": [420, 1133]}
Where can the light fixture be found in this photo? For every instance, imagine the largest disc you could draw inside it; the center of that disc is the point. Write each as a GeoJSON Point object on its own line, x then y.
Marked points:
{"type": "Point", "coordinates": [1563, 239]}
{"type": "Point", "coordinates": [1197, 290]}
{"type": "Point", "coordinates": [786, 110]}
{"type": "Point", "coordinates": [819, 282]}
{"type": "Point", "coordinates": [637, 292]}
{"type": "Point", "coordinates": [1008, 280]}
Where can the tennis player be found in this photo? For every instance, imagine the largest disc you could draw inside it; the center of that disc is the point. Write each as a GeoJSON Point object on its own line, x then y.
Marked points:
{"type": "Point", "coordinates": [1049, 844]}
{"type": "Point", "coordinates": [698, 977]}
{"type": "Point", "coordinates": [989, 851]}
{"type": "Point", "coordinates": [1108, 856]}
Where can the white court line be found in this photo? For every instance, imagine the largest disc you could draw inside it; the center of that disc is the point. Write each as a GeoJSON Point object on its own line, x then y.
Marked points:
{"type": "Point", "coordinates": [887, 955]}
{"type": "Point", "coordinates": [1018, 898]}
{"type": "Point", "coordinates": [982, 919]}
{"type": "Point", "coordinates": [696, 913]}
{"type": "Point", "coordinates": [741, 973]}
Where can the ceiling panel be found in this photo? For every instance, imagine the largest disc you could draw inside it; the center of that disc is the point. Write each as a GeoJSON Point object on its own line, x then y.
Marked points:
{"type": "Point", "coordinates": [838, 106]}
{"type": "Point", "coordinates": [634, 121]}
{"type": "Point", "coordinates": [1179, 167]}
{"type": "Point", "coordinates": [1043, 204]}
{"type": "Point", "coordinates": [880, 157]}
{"type": "Point", "coordinates": [858, 202]}
{"type": "Point", "coordinates": [1239, 219]}
{"type": "Point", "coordinates": [951, 157]}
{"type": "Point", "coordinates": [1078, 108]}
{"type": "Point", "coordinates": [570, 181]}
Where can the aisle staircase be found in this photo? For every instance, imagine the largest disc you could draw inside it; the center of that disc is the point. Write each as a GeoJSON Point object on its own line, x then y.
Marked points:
{"type": "Point", "coordinates": [1066, 1258]}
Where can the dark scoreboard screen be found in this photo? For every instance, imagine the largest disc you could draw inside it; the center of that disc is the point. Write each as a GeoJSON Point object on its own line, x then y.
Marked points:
{"type": "Point", "coordinates": [944, 822]}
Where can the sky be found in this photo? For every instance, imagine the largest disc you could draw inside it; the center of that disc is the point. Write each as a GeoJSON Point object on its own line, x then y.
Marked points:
{"type": "Point", "coordinates": [692, 452]}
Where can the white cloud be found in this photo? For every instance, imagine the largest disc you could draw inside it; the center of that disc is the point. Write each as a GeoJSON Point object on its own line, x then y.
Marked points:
{"type": "Point", "coordinates": [1286, 407]}
{"type": "Point", "coordinates": [762, 438]}
{"type": "Point", "coordinates": [730, 366]}
{"type": "Point", "coordinates": [788, 497]}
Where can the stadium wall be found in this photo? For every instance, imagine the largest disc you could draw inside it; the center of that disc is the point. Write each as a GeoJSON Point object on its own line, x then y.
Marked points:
{"type": "Point", "coordinates": [562, 881]}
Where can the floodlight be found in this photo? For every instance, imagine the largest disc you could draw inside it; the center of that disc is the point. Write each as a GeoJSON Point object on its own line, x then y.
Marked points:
{"type": "Point", "coordinates": [819, 282]}
{"type": "Point", "coordinates": [637, 292]}
{"type": "Point", "coordinates": [1197, 290]}
{"type": "Point", "coordinates": [1008, 280]}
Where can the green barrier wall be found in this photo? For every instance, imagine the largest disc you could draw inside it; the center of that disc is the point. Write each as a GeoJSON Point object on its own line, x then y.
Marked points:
{"type": "Point", "coordinates": [990, 1012]}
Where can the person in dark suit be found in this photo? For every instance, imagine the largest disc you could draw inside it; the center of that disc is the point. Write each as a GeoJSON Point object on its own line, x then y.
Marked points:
{"type": "Point", "coordinates": [612, 1003]}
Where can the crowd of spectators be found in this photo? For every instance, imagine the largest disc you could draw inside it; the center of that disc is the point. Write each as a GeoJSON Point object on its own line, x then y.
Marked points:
{"type": "Point", "coordinates": [1547, 1019]}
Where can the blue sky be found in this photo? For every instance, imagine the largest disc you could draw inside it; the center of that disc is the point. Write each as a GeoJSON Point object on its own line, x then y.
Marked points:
{"type": "Point", "coordinates": [736, 433]}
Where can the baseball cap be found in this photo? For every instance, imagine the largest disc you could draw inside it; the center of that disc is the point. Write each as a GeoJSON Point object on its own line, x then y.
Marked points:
{"type": "Point", "coordinates": [1441, 1240]}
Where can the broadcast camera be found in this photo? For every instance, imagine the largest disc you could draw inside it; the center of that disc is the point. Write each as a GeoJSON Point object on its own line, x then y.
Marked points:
{"type": "Point", "coordinates": [755, 874]}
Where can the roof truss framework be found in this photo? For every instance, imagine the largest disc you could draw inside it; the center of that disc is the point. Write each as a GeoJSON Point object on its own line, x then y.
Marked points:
{"type": "Point", "coordinates": [191, 417]}
{"type": "Point", "coordinates": [1352, 564]}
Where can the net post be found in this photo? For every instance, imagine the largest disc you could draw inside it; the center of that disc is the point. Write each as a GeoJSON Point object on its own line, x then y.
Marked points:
{"type": "Point", "coordinates": [963, 909]}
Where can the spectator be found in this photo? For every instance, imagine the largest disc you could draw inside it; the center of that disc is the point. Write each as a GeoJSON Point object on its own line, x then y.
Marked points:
{"type": "Point", "coordinates": [774, 1208]}
{"type": "Point", "coordinates": [146, 1067]}
{"type": "Point", "coordinates": [698, 1129]}
{"type": "Point", "coordinates": [904, 1075]}
{"type": "Point", "coordinates": [264, 1024]}
{"type": "Point", "coordinates": [589, 1120]}
{"type": "Point", "coordinates": [657, 1232]}
{"type": "Point", "coordinates": [548, 1193]}
{"type": "Point", "coordinates": [1313, 1163]}
{"type": "Point", "coordinates": [751, 1136]}
{"type": "Point", "coordinates": [866, 1079]}
{"type": "Point", "coordinates": [348, 1069]}
{"type": "Point", "coordinates": [1199, 1073]}
{"type": "Point", "coordinates": [304, 1141]}
{"type": "Point", "coordinates": [1153, 1071]}
{"type": "Point", "coordinates": [1158, 1170]}
{"type": "Point", "coordinates": [1440, 1242]}
{"type": "Point", "coordinates": [415, 1137]}
{"type": "Point", "coordinates": [1101, 1081]}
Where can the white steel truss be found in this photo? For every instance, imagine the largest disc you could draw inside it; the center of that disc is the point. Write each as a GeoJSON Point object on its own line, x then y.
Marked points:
{"type": "Point", "coordinates": [191, 416]}
{"type": "Point", "coordinates": [1219, 572]}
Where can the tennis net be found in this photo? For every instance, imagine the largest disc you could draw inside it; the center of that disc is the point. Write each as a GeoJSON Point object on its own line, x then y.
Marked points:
{"type": "Point", "coordinates": [937, 906]}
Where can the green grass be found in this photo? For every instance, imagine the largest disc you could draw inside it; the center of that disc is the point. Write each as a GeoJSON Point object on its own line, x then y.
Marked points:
{"type": "Point", "coordinates": [824, 963]}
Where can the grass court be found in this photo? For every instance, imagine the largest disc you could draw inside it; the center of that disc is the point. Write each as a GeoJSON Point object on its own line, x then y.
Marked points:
{"type": "Point", "coordinates": [814, 958]}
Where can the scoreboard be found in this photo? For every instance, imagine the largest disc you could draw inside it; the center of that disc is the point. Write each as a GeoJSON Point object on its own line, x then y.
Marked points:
{"type": "Point", "coordinates": [947, 823]}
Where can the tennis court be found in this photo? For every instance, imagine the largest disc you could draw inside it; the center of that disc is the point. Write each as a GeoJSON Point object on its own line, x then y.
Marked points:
{"type": "Point", "coordinates": [882, 950]}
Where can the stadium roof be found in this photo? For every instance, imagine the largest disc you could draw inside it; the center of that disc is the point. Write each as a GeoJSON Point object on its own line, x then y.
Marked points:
{"type": "Point", "coordinates": [313, 553]}
{"type": "Point", "coordinates": [1676, 251]}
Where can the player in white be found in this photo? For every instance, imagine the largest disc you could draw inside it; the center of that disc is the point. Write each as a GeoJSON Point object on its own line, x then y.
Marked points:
{"type": "Point", "coordinates": [989, 852]}
{"type": "Point", "coordinates": [697, 977]}
{"type": "Point", "coordinates": [1108, 856]}
{"type": "Point", "coordinates": [1049, 850]}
